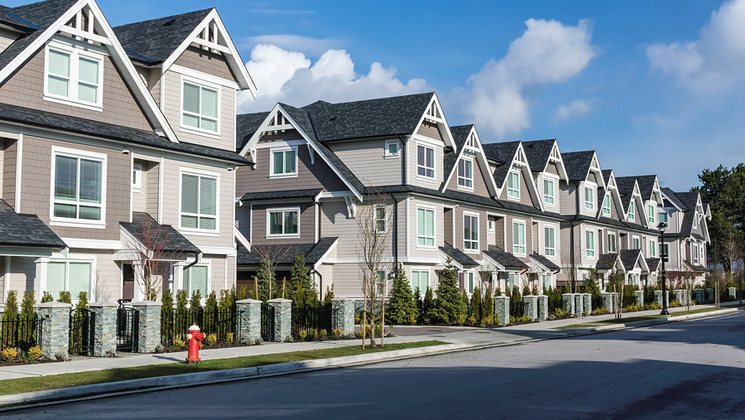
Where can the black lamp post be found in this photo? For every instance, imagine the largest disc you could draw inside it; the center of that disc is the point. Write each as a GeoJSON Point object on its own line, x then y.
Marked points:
{"type": "Point", "coordinates": [661, 227]}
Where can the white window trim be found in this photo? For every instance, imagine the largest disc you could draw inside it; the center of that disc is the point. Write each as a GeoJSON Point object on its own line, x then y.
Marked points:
{"type": "Point", "coordinates": [695, 220]}
{"type": "Point", "coordinates": [82, 223]}
{"type": "Point", "coordinates": [202, 84]}
{"type": "Point", "coordinates": [458, 177]}
{"type": "Point", "coordinates": [375, 215]}
{"type": "Point", "coordinates": [591, 252]}
{"type": "Point", "coordinates": [434, 161]}
{"type": "Point", "coordinates": [434, 230]}
{"type": "Point", "coordinates": [429, 279]}
{"type": "Point", "coordinates": [652, 215]}
{"type": "Point", "coordinates": [490, 224]}
{"type": "Point", "coordinates": [203, 263]}
{"type": "Point", "coordinates": [137, 173]}
{"type": "Point", "coordinates": [282, 235]}
{"type": "Point", "coordinates": [387, 154]}
{"type": "Point", "coordinates": [631, 214]}
{"type": "Point", "coordinates": [615, 244]}
{"type": "Point", "coordinates": [525, 237]}
{"type": "Point", "coordinates": [199, 173]}
{"type": "Point", "coordinates": [633, 239]}
{"type": "Point", "coordinates": [652, 248]}
{"type": "Point", "coordinates": [282, 149]}
{"type": "Point", "coordinates": [75, 53]}
{"type": "Point", "coordinates": [478, 236]}
{"type": "Point", "coordinates": [554, 182]}
{"type": "Point", "coordinates": [608, 207]}
{"type": "Point", "coordinates": [517, 197]}
{"type": "Point", "coordinates": [545, 248]}
{"type": "Point", "coordinates": [74, 259]}
{"type": "Point", "coordinates": [589, 205]}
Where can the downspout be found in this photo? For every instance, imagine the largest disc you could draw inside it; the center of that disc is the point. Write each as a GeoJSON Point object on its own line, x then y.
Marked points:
{"type": "Point", "coordinates": [197, 258]}
{"type": "Point", "coordinates": [404, 148]}
{"type": "Point", "coordinates": [320, 283]}
{"type": "Point", "coordinates": [394, 231]}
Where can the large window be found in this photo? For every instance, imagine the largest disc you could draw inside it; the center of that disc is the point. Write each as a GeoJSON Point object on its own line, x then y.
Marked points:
{"type": "Point", "coordinates": [200, 107]}
{"type": "Point", "coordinates": [662, 217]}
{"type": "Point", "coordinates": [380, 226]}
{"type": "Point", "coordinates": [589, 198]}
{"type": "Point", "coordinates": [606, 205]}
{"type": "Point", "coordinates": [420, 281]}
{"type": "Point", "coordinates": [283, 162]}
{"type": "Point", "coordinates": [549, 241]}
{"type": "Point", "coordinates": [650, 215]}
{"type": "Point", "coordinates": [590, 243]}
{"type": "Point", "coordinates": [664, 252]}
{"type": "Point", "coordinates": [471, 232]}
{"type": "Point", "coordinates": [518, 238]}
{"type": "Point", "coordinates": [79, 186]}
{"type": "Point", "coordinates": [425, 161]}
{"type": "Point", "coordinates": [68, 276]}
{"type": "Point", "coordinates": [74, 75]}
{"type": "Point", "coordinates": [513, 185]}
{"type": "Point", "coordinates": [548, 191]}
{"type": "Point", "coordinates": [632, 212]}
{"type": "Point", "coordinates": [283, 222]}
{"type": "Point", "coordinates": [466, 281]}
{"type": "Point", "coordinates": [425, 227]}
{"type": "Point", "coordinates": [198, 202]}
{"type": "Point", "coordinates": [612, 242]}
{"type": "Point", "coordinates": [196, 278]}
{"type": "Point", "coordinates": [465, 173]}
{"type": "Point", "coordinates": [695, 254]}
{"type": "Point", "coordinates": [652, 248]}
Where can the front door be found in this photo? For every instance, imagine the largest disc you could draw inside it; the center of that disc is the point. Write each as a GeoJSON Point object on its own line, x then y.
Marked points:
{"type": "Point", "coordinates": [128, 285]}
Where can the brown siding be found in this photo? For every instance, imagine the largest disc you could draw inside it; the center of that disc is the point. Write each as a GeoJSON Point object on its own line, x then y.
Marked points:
{"type": "Point", "coordinates": [205, 61]}
{"type": "Point", "coordinates": [9, 172]}
{"type": "Point", "coordinates": [551, 169]}
{"type": "Point", "coordinates": [26, 89]}
{"type": "Point", "coordinates": [153, 189]}
{"type": "Point", "coordinates": [430, 130]}
{"type": "Point", "coordinates": [448, 222]}
{"type": "Point", "coordinates": [479, 183]}
{"type": "Point", "coordinates": [307, 224]}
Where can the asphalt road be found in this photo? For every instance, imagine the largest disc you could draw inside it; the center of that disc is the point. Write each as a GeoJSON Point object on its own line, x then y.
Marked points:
{"type": "Point", "coordinates": [682, 370]}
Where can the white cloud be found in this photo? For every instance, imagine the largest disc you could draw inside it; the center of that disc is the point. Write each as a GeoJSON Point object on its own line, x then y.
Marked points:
{"type": "Point", "coordinates": [576, 108]}
{"type": "Point", "coordinates": [548, 52]}
{"type": "Point", "coordinates": [712, 62]}
{"type": "Point", "coordinates": [305, 44]}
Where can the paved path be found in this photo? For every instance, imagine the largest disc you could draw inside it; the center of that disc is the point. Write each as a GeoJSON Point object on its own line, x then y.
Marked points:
{"type": "Point", "coordinates": [683, 370]}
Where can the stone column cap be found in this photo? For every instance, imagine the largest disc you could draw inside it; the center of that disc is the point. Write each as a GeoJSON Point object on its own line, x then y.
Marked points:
{"type": "Point", "coordinates": [342, 299]}
{"type": "Point", "coordinates": [53, 305]}
{"type": "Point", "coordinates": [248, 301]}
{"type": "Point", "coordinates": [146, 303]}
{"type": "Point", "coordinates": [501, 297]}
{"type": "Point", "coordinates": [102, 305]}
{"type": "Point", "coordinates": [280, 300]}
{"type": "Point", "coordinates": [542, 296]}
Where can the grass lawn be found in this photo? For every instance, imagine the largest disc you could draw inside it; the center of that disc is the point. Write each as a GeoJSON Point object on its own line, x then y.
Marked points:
{"type": "Point", "coordinates": [702, 310]}
{"type": "Point", "coordinates": [17, 386]}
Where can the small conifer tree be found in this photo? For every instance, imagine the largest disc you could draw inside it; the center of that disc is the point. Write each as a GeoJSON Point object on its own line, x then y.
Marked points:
{"type": "Point", "coordinates": [476, 308]}
{"type": "Point", "coordinates": [166, 313]}
{"type": "Point", "coordinates": [181, 300]}
{"type": "Point", "coordinates": [82, 300]}
{"type": "Point", "coordinates": [328, 297]}
{"type": "Point", "coordinates": [64, 297]}
{"type": "Point", "coordinates": [448, 305]}
{"type": "Point", "coordinates": [428, 307]}
{"type": "Point", "coordinates": [463, 309]}
{"type": "Point", "coordinates": [210, 311]}
{"type": "Point", "coordinates": [196, 300]}
{"type": "Point", "coordinates": [265, 280]}
{"type": "Point", "coordinates": [11, 307]}
{"type": "Point", "coordinates": [487, 305]}
{"type": "Point", "coordinates": [516, 303]}
{"type": "Point", "coordinates": [403, 307]}
{"type": "Point", "coordinates": [47, 297]}
{"type": "Point", "coordinates": [418, 302]}
{"type": "Point", "coordinates": [28, 310]}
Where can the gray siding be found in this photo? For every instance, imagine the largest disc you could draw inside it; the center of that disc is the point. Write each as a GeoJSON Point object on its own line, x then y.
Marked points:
{"type": "Point", "coordinates": [197, 58]}
{"type": "Point", "coordinates": [411, 162]}
{"type": "Point", "coordinates": [459, 230]}
{"type": "Point", "coordinates": [8, 186]}
{"type": "Point", "coordinates": [525, 197]}
{"type": "Point", "coordinates": [447, 219]}
{"type": "Point", "coordinates": [479, 184]}
{"type": "Point", "coordinates": [153, 186]}
{"type": "Point", "coordinates": [366, 158]}
{"type": "Point", "coordinates": [139, 198]}
{"type": "Point", "coordinates": [260, 224]}
{"type": "Point", "coordinates": [430, 130]}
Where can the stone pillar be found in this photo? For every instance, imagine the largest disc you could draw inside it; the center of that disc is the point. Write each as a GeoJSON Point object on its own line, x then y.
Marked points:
{"type": "Point", "coordinates": [55, 329]}
{"type": "Point", "coordinates": [639, 298]}
{"type": "Point", "coordinates": [608, 301]}
{"type": "Point", "coordinates": [709, 295]}
{"type": "Point", "coordinates": [530, 307]}
{"type": "Point", "coordinates": [587, 303]}
{"type": "Point", "coordinates": [680, 296]}
{"type": "Point", "coordinates": [542, 307]}
{"type": "Point", "coordinates": [249, 321]}
{"type": "Point", "coordinates": [658, 297]}
{"type": "Point", "coordinates": [342, 316]}
{"type": "Point", "coordinates": [148, 334]}
{"type": "Point", "coordinates": [732, 292]}
{"type": "Point", "coordinates": [567, 302]}
{"type": "Point", "coordinates": [282, 319]}
{"type": "Point", "coordinates": [699, 295]}
{"type": "Point", "coordinates": [502, 309]}
{"type": "Point", "coordinates": [104, 342]}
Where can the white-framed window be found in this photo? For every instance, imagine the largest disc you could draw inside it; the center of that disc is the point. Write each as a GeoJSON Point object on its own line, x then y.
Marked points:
{"type": "Point", "coordinates": [470, 232]}
{"type": "Point", "coordinates": [380, 220]}
{"type": "Point", "coordinates": [490, 224]}
{"type": "Point", "coordinates": [79, 180]}
{"type": "Point", "coordinates": [425, 161]}
{"type": "Point", "coordinates": [69, 276]}
{"type": "Point", "coordinates": [606, 205]}
{"type": "Point", "coordinates": [549, 195]}
{"type": "Point", "coordinates": [465, 173]}
{"type": "Point", "coordinates": [636, 243]}
{"type": "Point", "coordinates": [695, 220]}
{"type": "Point", "coordinates": [420, 280]}
{"type": "Point", "coordinates": [199, 204]}
{"type": "Point", "coordinates": [137, 176]}
{"type": "Point", "coordinates": [651, 215]}
{"type": "Point", "coordinates": [392, 149]}
{"type": "Point", "coordinates": [549, 241]}
{"type": "Point", "coordinates": [73, 75]}
{"type": "Point", "coordinates": [590, 243]}
{"type": "Point", "coordinates": [611, 242]}
{"type": "Point", "coordinates": [518, 237]}
{"type": "Point", "coordinates": [652, 248]}
{"type": "Point", "coordinates": [513, 185]}
{"type": "Point", "coordinates": [197, 277]}
{"type": "Point", "coordinates": [589, 198]}
{"type": "Point", "coordinates": [200, 108]}
{"type": "Point", "coordinates": [284, 222]}
{"type": "Point", "coordinates": [662, 216]}
{"type": "Point", "coordinates": [283, 162]}
{"type": "Point", "coordinates": [664, 252]}
{"type": "Point", "coordinates": [632, 211]}
{"type": "Point", "coordinates": [466, 281]}
{"type": "Point", "coordinates": [425, 227]}
{"type": "Point", "coordinates": [695, 254]}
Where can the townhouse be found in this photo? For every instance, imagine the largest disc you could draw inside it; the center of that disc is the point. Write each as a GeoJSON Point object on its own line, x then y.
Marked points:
{"type": "Point", "coordinates": [117, 145]}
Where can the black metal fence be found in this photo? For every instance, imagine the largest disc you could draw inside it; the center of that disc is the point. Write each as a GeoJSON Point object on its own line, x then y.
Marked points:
{"type": "Point", "coordinates": [127, 329]}
{"type": "Point", "coordinates": [22, 333]}
{"type": "Point", "coordinates": [310, 318]}
{"type": "Point", "coordinates": [82, 332]}
{"type": "Point", "coordinates": [221, 323]}
{"type": "Point", "coordinates": [267, 322]}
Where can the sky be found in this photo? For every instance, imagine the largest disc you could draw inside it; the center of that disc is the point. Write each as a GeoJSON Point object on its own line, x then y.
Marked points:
{"type": "Point", "coordinates": [655, 87]}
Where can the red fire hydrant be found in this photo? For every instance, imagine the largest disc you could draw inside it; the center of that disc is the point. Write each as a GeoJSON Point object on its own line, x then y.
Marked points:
{"type": "Point", "coordinates": [195, 338]}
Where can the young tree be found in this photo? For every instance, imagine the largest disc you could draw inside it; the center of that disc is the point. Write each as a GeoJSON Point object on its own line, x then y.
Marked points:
{"type": "Point", "coordinates": [265, 280]}
{"type": "Point", "coordinates": [616, 280]}
{"type": "Point", "coordinates": [476, 306]}
{"type": "Point", "coordinates": [428, 307]}
{"type": "Point", "coordinates": [569, 258]}
{"type": "Point", "coordinates": [270, 256]}
{"type": "Point", "coordinates": [403, 305]}
{"type": "Point", "coordinates": [448, 304]}
{"type": "Point", "coordinates": [152, 256]}
{"type": "Point", "coordinates": [487, 306]}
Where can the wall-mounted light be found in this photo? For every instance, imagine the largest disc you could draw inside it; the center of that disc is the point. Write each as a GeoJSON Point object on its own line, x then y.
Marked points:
{"type": "Point", "coordinates": [125, 152]}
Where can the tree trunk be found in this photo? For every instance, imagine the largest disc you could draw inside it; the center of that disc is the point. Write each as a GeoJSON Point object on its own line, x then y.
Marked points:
{"type": "Point", "coordinates": [363, 327]}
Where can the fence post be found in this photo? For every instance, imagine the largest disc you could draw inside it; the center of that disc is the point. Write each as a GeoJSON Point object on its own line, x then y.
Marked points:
{"type": "Point", "coordinates": [639, 297]}
{"type": "Point", "coordinates": [104, 327]}
{"type": "Point", "coordinates": [342, 316]}
{"type": "Point", "coordinates": [55, 329]}
{"type": "Point", "coordinates": [567, 301]}
{"type": "Point", "coordinates": [608, 301]}
{"type": "Point", "coordinates": [148, 334]}
{"type": "Point", "coordinates": [282, 319]}
{"type": "Point", "coordinates": [586, 304]}
{"type": "Point", "coordinates": [530, 307]}
{"type": "Point", "coordinates": [502, 309]}
{"type": "Point", "coordinates": [249, 321]}
{"type": "Point", "coordinates": [542, 307]}
{"type": "Point", "coordinates": [658, 297]}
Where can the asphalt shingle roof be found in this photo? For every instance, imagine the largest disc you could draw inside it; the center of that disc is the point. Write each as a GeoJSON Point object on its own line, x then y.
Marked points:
{"type": "Point", "coordinates": [502, 153]}
{"type": "Point", "coordinates": [654, 263]}
{"type": "Point", "coordinates": [625, 185]}
{"type": "Point", "coordinates": [507, 260]}
{"type": "Point", "coordinates": [545, 262]}
{"type": "Point", "coordinates": [246, 126]}
{"type": "Point", "coordinates": [606, 175]}
{"type": "Point", "coordinates": [672, 196]}
{"type": "Point", "coordinates": [629, 257]}
{"type": "Point", "coordinates": [25, 230]}
{"type": "Point", "coordinates": [150, 233]}
{"type": "Point", "coordinates": [689, 199]}
{"type": "Point", "coordinates": [458, 256]}
{"type": "Point", "coordinates": [646, 185]}
{"type": "Point", "coordinates": [606, 261]}
{"type": "Point", "coordinates": [271, 195]}
{"type": "Point", "coordinates": [577, 164]}
{"type": "Point", "coordinates": [286, 253]}
{"type": "Point", "coordinates": [537, 152]}
{"type": "Point", "coordinates": [460, 136]}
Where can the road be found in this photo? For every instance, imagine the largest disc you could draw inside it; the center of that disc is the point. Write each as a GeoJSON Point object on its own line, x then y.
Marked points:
{"type": "Point", "coordinates": [682, 370]}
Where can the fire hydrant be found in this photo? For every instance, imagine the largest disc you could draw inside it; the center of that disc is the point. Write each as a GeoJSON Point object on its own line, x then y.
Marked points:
{"type": "Point", "coordinates": [195, 338]}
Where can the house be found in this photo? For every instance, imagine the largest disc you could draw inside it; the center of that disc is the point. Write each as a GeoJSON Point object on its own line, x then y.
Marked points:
{"type": "Point", "coordinates": [116, 147]}
{"type": "Point", "coordinates": [686, 237]}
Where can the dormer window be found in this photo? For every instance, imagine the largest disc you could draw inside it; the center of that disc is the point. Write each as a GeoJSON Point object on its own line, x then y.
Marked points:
{"type": "Point", "coordinates": [548, 191]}
{"type": "Point", "coordinates": [695, 220]}
{"type": "Point", "coordinates": [589, 198]}
{"type": "Point", "coordinates": [283, 162]}
{"type": "Point", "coordinates": [425, 161]}
{"type": "Point", "coordinates": [465, 174]}
{"type": "Point", "coordinates": [73, 76]}
{"type": "Point", "coordinates": [632, 212]}
{"type": "Point", "coordinates": [606, 205]}
{"type": "Point", "coordinates": [513, 185]}
{"type": "Point", "coordinates": [200, 107]}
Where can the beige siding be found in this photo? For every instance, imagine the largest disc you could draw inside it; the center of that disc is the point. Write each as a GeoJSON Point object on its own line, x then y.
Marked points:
{"type": "Point", "coordinates": [197, 58]}
{"type": "Point", "coordinates": [528, 233]}
{"type": "Point", "coordinates": [411, 162]}
{"type": "Point", "coordinates": [346, 280]}
{"type": "Point", "coordinates": [402, 228]}
{"type": "Point", "coordinates": [430, 130]}
{"type": "Point", "coordinates": [479, 183]}
{"type": "Point", "coordinates": [568, 199]}
{"type": "Point", "coordinates": [153, 189]}
{"type": "Point", "coordinates": [260, 224]}
{"type": "Point", "coordinates": [26, 89]}
{"type": "Point", "coordinates": [22, 275]}
{"type": "Point", "coordinates": [243, 220]}
{"type": "Point", "coordinates": [525, 197]}
{"type": "Point", "coordinates": [139, 198]}
{"type": "Point", "coordinates": [8, 186]}
{"type": "Point", "coordinates": [366, 158]}
{"type": "Point", "coordinates": [107, 278]}
{"type": "Point", "coordinates": [415, 250]}
{"type": "Point", "coordinates": [336, 224]}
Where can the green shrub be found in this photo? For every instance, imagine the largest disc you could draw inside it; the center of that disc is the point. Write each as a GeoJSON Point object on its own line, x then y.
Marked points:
{"type": "Point", "coordinates": [632, 308]}
{"type": "Point", "coordinates": [323, 334]}
{"type": "Point", "coordinates": [560, 313]}
{"type": "Point", "coordinates": [601, 311]}
{"type": "Point", "coordinates": [178, 343]}
{"type": "Point", "coordinates": [674, 304]}
{"type": "Point", "coordinates": [229, 337]}
{"type": "Point", "coordinates": [47, 297]}
{"type": "Point", "coordinates": [302, 334]}
{"type": "Point", "coordinates": [516, 303]}
{"type": "Point", "coordinates": [64, 297]}
{"type": "Point", "coordinates": [487, 305]}
{"type": "Point", "coordinates": [476, 306]}
{"type": "Point", "coordinates": [34, 353]}
{"type": "Point", "coordinates": [211, 339]}
{"type": "Point", "coordinates": [403, 305]}
{"type": "Point", "coordinates": [312, 334]}
{"type": "Point", "coordinates": [336, 333]}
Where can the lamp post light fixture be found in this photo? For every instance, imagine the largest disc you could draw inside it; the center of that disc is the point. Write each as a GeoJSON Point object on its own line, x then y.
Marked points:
{"type": "Point", "coordinates": [661, 227]}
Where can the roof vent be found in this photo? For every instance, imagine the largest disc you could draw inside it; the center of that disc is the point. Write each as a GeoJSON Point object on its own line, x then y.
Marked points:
{"type": "Point", "coordinates": [332, 118]}
{"type": "Point", "coordinates": [169, 22]}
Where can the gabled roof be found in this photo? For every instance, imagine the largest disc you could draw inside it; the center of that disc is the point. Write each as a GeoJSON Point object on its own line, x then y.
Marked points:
{"type": "Point", "coordinates": [606, 261]}
{"type": "Point", "coordinates": [461, 135]}
{"type": "Point", "coordinates": [246, 126]}
{"type": "Point", "coordinates": [630, 257]}
{"type": "Point", "coordinates": [273, 195]}
{"type": "Point", "coordinates": [654, 264]}
{"type": "Point", "coordinates": [313, 252]}
{"type": "Point", "coordinates": [545, 262]}
{"type": "Point", "coordinates": [578, 164]}
{"type": "Point", "coordinates": [150, 233]}
{"type": "Point", "coordinates": [538, 152]}
{"type": "Point", "coordinates": [646, 185]}
{"type": "Point", "coordinates": [507, 260]}
{"type": "Point", "coordinates": [25, 230]}
{"type": "Point", "coordinates": [458, 256]}
{"type": "Point", "coordinates": [626, 186]}
{"type": "Point", "coordinates": [502, 154]}
{"type": "Point", "coordinates": [690, 200]}
{"type": "Point", "coordinates": [672, 197]}
{"type": "Point", "coordinates": [9, 19]}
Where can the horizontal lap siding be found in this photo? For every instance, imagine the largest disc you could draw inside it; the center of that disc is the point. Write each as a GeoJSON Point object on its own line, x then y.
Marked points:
{"type": "Point", "coordinates": [568, 198]}
{"type": "Point", "coordinates": [108, 278]}
{"type": "Point", "coordinates": [153, 189]}
{"type": "Point", "coordinates": [336, 224]}
{"type": "Point", "coordinates": [194, 57]}
{"type": "Point", "coordinates": [366, 158]}
{"type": "Point", "coordinates": [411, 163]}
{"type": "Point", "coordinates": [8, 187]}
{"type": "Point", "coordinates": [347, 280]}
{"type": "Point", "coordinates": [459, 230]}
{"type": "Point", "coordinates": [2, 279]}
{"type": "Point", "coordinates": [139, 198]}
{"type": "Point", "coordinates": [528, 230]}
{"type": "Point", "coordinates": [260, 224]}
{"type": "Point", "coordinates": [424, 252]}
{"type": "Point", "coordinates": [479, 184]}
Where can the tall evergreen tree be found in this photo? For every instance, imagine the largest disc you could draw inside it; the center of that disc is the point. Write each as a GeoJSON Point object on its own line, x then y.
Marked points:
{"type": "Point", "coordinates": [476, 309]}
{"type": "Point", "coordinates": [299, 276]}
{"type": "Point", "coordinates": [428, 307]}
{"type": "Point", "coordinates": [28, 310]}
{"type": "Point", "coordinates": [403, 306]}
{"type": "Point", "coordinates": [463, 309]}
{"type": "Point", "coordinates": [516, 303]}
{"type": "Point", "coordinates": [487, 305]}
{"type": "Point", "coordinates": [448, 303]}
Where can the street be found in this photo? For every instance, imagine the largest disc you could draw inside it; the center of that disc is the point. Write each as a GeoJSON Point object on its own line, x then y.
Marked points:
{"type": "Point", "coordinates": [682, 370]}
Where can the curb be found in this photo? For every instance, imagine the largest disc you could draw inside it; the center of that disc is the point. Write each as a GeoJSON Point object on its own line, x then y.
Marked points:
{"type": "Point", "coordinates": [665, 320]}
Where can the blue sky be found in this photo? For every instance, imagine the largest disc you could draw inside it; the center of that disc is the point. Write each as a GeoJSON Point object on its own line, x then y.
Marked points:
{"type": "Point", "coordinates": [653, 86]}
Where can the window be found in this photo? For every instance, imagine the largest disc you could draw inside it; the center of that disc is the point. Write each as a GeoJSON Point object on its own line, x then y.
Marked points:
{"type": "Point", "coordinates": [589, 198]}
{"type": "Point", "coordinates": [79, 186]}
{"type": "Point", "coordinates": [198, 202]}
{"type": "Point", "coordinates": [513, 185]}
{"type": "Point", "coordinates": [137, 176]}
{"type": "Point", "coordinates": [465, 173]}
{"type": "Point", "coordinates": [283, 162]}
{"type": "Point", "coordinates": [652, 248]}
{"type": "Point", "coordinates": [73, 277]}
{"type": "Point", "coordinates": [632, 212]}
{"type": "Point", "coordinates": [695, 220]}
{"type": "Point", "coordinates": [425, 227]}
{"type": "Point", "coordinates": [590, 243]}
{"type": "Point", "coordinates": [695, 254]}
{"type": "Point", "coordinates": [606, 205]}
{"type": "Point", "coordinates": [196, 278]}
{"type": "Point", "coordinates": [662, 217]}
{"type": "Point", "coordinates": [392, 148]}
{"type": "Point", "coordinates": [637, 244]}
{"type": "Point", "coordinates": [283, 222]}
{"type": "Point", "coordinates": [650, 215]}
{"type": "Point", "coordinates": [549, 239]}
{"type": "Point", "coordinates": [664, 252]}
{"type": "Point", "coordinates": [425, 161]}
{"type": "Point", "coordinates": [548, 191]}
{"type": "Point", "coordinates": [490, 225]}
{"type": "Point", "coordinates": [611, 243]}
{"type": "Point", "coordinates": [518, 238]}
{"type": "Point", "coordinates": [466, 281]}
{"type": "Point", "coordinates": [381, 282]}
{"type": "Point", "coordinates": [420, 281]}
{"type": "Point", "coordinates": [200, 107]}
{"type": "Point", "coordinates": [73, 75]}
{"type": "Point", "coordinates": [470, 232]}
{"type": "Point", "coordinates": [380, 218]}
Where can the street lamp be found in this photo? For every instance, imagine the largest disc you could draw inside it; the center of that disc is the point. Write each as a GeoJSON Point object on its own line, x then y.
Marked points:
{"type": "Point", "coordinates": [661, 227]}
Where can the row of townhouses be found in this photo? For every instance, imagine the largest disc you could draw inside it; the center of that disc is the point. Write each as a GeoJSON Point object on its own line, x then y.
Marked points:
{"type": "Point", "coordinates": [108, 134]}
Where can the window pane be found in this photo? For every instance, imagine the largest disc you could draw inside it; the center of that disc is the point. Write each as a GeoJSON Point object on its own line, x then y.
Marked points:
{"type": "Point", "coordinates": [65, 177]}
{"type": "Point", "coordinates": [208, 196]}
{"type": "Point", "coordinates": [291, 222]}
{"type": "Point", "coordinates": [59, 63]}
{"type": "Point", "coordinates": [392, 148]}
{"type": "Point", "coordinates": [207, 223]}
{"type": "Point", "coordinates": [198, 280]}
{"type": "Point", "coordinates": [80, 279]}
{"type": "Point", "coordinates": [55, 278]}
{"type": "Point", "coordinates": [290, 162]}
{"type": "Point", "coordinates": [278, 163]}
{"type": "Point", "coordinates": [90, 213]}
{"type": "Point", "coordinates": [189, 185]}
{"type": "Point", "coordinates": [88, 71]}
{"type": "Point", "coordinates": [189, 222]}
{"type": "Point", "coordinates": [209, 124]}
{"type": "Point", "coordinates": [90, 181]}
{"type": "Point", "coordinates": [420, 155]}
{"type": "Point", "coordinates": [430, 158]}
{"type": "Point", "coordinates": [191, 98]}
{"type": "Point", "coordinates": [430, 223]}
{"type": "Point", "coordinates": [275, 223]}
{"type": "Point", "coordinates": [65, 210]}
{"type": "Point", "coordinates": [87, 93]}
{"type": "Point", "coordinates": [58, 86]}
{"type": "Point", "coordinates": [191, 120]}
{"type": "Point", "coordinates": [209, 103]}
